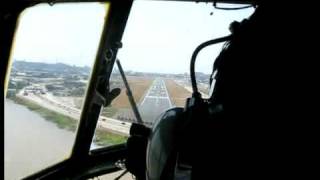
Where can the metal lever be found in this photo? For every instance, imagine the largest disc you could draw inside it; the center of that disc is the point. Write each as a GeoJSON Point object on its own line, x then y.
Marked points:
{"type": "Point", "coordinates": [129, 93]}
{"type": "Point", "coordinates": [122, 174]}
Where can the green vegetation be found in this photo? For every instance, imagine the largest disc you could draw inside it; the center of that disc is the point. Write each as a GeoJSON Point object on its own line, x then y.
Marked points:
{"type": "Point", "coordinates": [109, 111]}
{"type": "Point", "coordinates": [51, 87]}
{"type": "Point", "coordinates": [103, 137]}
{"type": "Point", "coordinates": [11, 85]}
{"type": "Point", "coordinates": [78, 92]}
{"type": "Point", "coordinates": [11, 93]}
{"type": "Point", "coordinates": [21, 84]}
{"type": "Point", "coordinates": [70, 83]}
{"type": "Point", "coordinates": [62, 121]}
{"type": "Point", "coordinates": [18, 85]}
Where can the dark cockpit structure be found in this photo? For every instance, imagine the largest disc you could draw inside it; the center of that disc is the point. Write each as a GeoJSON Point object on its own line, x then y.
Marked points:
{"type": "Point", "coordinates": [243, 129]}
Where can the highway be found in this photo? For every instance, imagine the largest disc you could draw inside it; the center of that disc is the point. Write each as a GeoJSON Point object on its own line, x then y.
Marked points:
{"type": "Point", "coordinates": [155, 102]}
{"type": "Point", "coordinates": [48, 102]}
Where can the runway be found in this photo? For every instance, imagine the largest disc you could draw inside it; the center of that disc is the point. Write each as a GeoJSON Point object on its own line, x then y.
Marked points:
{"type": "Point", "coordinates": [155, 102]}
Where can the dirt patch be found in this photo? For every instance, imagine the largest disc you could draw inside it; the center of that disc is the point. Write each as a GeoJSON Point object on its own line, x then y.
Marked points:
{"type": "Point", "coordinates": [139, 87]}
{"type": "Point", "coordinates": [178, 94]}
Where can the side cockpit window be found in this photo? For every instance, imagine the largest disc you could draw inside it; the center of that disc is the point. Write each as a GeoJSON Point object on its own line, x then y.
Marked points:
{"type": "Point", "coordinates": [52, 57]}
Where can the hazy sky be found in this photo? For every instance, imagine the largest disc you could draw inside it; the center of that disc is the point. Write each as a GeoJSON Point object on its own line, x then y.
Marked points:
{"type": "Point", "coordinates": [159, 37]}
{"type": "Point", "coordinates": [60, 33]}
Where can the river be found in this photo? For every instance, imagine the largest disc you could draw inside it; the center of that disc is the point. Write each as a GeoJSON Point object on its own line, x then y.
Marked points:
{"type": "Point", "coordinates": [31, 142]}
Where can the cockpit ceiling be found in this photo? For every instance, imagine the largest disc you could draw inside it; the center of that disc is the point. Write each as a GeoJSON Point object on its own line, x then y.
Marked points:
{"type": "Point", "coordinates": [219, 1]}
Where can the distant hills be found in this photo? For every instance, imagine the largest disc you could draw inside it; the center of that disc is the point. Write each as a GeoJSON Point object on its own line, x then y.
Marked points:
{"type": "Point", "coordinates": [24, 66]}
{"type": "Point", "coordinates": [65, 69]}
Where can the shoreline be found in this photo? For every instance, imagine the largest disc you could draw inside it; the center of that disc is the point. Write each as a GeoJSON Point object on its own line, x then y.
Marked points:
{"type": "Point", "coordinates": [103, 137]}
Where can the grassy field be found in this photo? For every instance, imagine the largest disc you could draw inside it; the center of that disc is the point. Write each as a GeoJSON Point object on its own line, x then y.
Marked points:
{"type": "Point", "coordinates": [109, 111]}
{"type": "Point", "coordinates": [138, 85]}
{"type": "Point", "coordinates": [62, 121]}
{"type": "Point", "coordinates": [177, 93]}
{"type": "Point", "coordinates": [103, 136]}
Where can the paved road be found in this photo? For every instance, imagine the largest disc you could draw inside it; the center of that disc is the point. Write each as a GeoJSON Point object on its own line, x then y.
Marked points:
{"type": "Point", "coordinates": [155, 102]}
{"type": "Point", "coordinates": [104, 122]}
